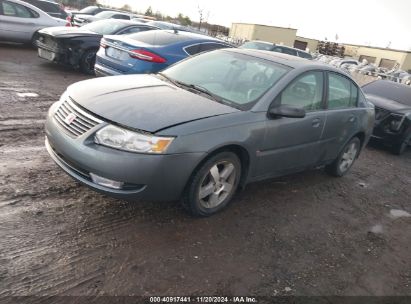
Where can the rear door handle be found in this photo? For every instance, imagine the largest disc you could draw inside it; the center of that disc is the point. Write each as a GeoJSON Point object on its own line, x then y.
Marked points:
{"type": "Point", "coordinates": [316, 122]}
{"type": "Point", "coordinates": [351, 119]}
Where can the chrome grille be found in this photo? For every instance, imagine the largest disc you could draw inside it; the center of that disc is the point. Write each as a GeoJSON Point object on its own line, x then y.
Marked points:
{"type": "Point", "coordinates": [74, 120]}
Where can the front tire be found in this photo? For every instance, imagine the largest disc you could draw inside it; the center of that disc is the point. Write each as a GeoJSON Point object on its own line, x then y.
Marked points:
{"type": "Point", "coordinates": [87, 62]}
{"type": "Point", "coordinates": [212, 186]}
{"type": "Point", "coordinates": [345, 159]}
{"type": "Point", "coordinates": [400, 148]}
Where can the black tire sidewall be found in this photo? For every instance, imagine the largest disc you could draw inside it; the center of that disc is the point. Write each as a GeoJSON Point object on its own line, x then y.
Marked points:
{"type": "Point", "coordinates": [334, 168]}
{"type": "Point", "coordinates": [83, 65]}
{"type": "Point", "coordinates": [191, 200]}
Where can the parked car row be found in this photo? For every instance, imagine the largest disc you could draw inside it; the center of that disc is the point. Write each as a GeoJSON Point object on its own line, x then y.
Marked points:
{"type": "Point", "coordinates": [77, 46]}
{"type": "Point", "coordinates": [351, 65]}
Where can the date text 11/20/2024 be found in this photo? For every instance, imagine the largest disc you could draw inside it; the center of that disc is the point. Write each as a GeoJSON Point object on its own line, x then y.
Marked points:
{"type": "Point", "coordinates": [198, 299]}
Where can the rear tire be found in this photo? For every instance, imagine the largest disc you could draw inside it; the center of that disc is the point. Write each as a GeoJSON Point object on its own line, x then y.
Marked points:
{"type": "Point", "coordinates": [212, 186]}
{"type": "Point", "coordinates": [33, 40]}
{"type": "Point", "coordinates": [342, 164]}
{"type": "Point", "coordinates": [87, 62]}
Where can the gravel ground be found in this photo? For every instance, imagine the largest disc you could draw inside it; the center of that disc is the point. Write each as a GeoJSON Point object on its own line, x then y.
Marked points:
{"type": "Point", "coordinates": [305, 234]}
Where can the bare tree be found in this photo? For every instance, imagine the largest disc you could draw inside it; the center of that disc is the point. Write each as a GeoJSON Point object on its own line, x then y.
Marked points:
{"type": "Point", "coordinates": [200, 12]}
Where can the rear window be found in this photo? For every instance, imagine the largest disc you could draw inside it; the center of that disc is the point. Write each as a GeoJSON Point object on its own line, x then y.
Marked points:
{"type": "Point", "coordinates": [204, 47]}
{"type": "Point", "coordinates": [105, 27]}
{"type": "Point", "coordinates": [390, 90]}
{"type": "Point", "coordinates": [158, 37]}
{"type": "Point", "coordinates": [105, 14]}
{"type": "Point", "coordinates": [257, 46]}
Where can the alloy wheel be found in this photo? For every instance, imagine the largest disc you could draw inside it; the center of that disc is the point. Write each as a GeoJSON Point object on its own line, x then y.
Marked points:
{"type": "Point", "coordinates": [217, 184]}
{"type": "Point", "coordinates": [348, 157]}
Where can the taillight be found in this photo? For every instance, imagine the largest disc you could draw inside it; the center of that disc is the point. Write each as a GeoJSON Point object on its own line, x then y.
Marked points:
{"type": "Point", "coordinates": [68, 20]}
{"type": "Point", "coordinates": [103, 43]}
{"type": "Point", "coordinates": [147, 56]}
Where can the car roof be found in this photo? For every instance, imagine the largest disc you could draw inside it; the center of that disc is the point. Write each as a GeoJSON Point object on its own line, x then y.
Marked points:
{"type": "Point", "coordinates": [285, 59]}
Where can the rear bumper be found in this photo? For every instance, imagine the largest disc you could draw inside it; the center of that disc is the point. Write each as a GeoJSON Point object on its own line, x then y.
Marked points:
{"type": "Point", "coordinates": [102, 70]}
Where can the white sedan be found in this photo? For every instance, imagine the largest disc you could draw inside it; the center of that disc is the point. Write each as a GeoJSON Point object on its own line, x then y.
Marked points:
{"type": "Point", "coordinates": [19, 21]}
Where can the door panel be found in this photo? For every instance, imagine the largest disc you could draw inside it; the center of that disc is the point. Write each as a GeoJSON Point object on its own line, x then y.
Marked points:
{"type": "Point", "coordinates": [292, 144]}
{"type": "Point", "coordinates": [342, 119]}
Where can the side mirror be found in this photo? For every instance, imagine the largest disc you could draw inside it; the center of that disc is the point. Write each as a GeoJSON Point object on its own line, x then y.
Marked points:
{"type": "Point", "coordinates": [286, 111]}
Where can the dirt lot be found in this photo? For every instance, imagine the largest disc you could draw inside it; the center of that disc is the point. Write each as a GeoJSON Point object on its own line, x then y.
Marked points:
{"type": "Point", "coordinates": [306, 234]}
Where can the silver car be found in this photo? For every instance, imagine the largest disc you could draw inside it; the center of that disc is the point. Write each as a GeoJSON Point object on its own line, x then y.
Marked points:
{"type": "Point", "coordinates": [19, 21]}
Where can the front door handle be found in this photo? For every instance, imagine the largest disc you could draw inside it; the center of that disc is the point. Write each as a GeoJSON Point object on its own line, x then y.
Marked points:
{"type": "Point", "coordinates": [351, 119]}
{"type": "Point", "coordinates": [316, 122]}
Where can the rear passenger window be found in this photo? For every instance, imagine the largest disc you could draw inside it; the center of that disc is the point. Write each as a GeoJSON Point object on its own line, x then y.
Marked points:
{"type": "Point", "coordinates": [342, 93]}
{"type": "Point", "coordinates": [203, 47]}
{"type": "Point", "coordinates": [305, 92]}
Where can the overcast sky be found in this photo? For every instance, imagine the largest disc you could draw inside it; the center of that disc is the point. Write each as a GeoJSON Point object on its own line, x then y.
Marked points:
{"type": "Point", "coordinates": [370, 22]}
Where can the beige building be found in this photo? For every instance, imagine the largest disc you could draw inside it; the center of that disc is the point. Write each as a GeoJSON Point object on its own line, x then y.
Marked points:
{"type": "Point", "coordinates": [382, 57]}
{"type": "Point", "coordinates": [303, 43]}
{"type": "Point", "coordinates": [273, 34]}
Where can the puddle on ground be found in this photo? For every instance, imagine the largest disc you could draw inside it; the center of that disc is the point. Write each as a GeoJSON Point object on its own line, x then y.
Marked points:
{"type": "Point", "coordinates": [27, 94]}
{"type": "Point", "coordinates": [396, 213]}
{"type": "Point", "coordinates": [377, 229]}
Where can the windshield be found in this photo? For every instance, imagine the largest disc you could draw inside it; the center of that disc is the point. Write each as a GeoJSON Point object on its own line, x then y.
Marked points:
{"type": "Point", "coordinates": [236, 79]}
{"type": "Point", "coordinates": [104, 27]}
{"type": "Point", "coordinates": [389, 90]}
{"type": "Point", "coordinates": [257, 46]}
{"type": "Point", "coordinates": [106, 14]}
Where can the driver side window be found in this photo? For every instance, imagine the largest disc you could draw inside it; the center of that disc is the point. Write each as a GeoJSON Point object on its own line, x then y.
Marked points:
{"type": "Point", "coordinates": [305, 92]}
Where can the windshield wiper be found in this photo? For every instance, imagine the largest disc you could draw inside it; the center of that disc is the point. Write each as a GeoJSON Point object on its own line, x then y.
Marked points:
{"type": "Point", "coordinates": [197, 88]}
{"type": "Point", "coordinates": [201, 89]}
{"type": "Point", "coordinates": [175, 82]}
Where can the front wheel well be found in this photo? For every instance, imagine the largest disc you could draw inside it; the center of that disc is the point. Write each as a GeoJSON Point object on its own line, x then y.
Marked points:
{"type": "Point", "coordinates": [241, 153]}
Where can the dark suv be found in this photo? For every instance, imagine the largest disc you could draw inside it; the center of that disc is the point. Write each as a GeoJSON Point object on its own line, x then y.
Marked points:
{"type": "Point", "coordinates": [51, 8]}
{"type": "Point", "coordinates": [268, 46]}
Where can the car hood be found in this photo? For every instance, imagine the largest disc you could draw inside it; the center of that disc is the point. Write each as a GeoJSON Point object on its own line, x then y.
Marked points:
{"type": "Point", "coordinates": [63, 31]}
{"type": "Point", "coordinates": [388, 104]}
{"type": "Point", "coordinates": [143, 102]}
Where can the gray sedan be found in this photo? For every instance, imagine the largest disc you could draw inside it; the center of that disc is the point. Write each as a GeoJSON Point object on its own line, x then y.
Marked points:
{"type": "Point", "coordinates": [207, 126]}
{"type": "Point", "coordinates": [19, 21]}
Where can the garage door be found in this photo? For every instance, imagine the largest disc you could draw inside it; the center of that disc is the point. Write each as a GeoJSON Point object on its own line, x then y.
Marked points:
{"type": "Point", "coordinates": [368, 58]}
{"type": "Point", "coordinates": [300, 45]}
{"type": "Point", "coordinates": [387, 63]}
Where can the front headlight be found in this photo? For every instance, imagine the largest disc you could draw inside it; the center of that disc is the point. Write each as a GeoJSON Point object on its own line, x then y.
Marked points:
{"type": "Point", "coordinates": [123, 139]}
